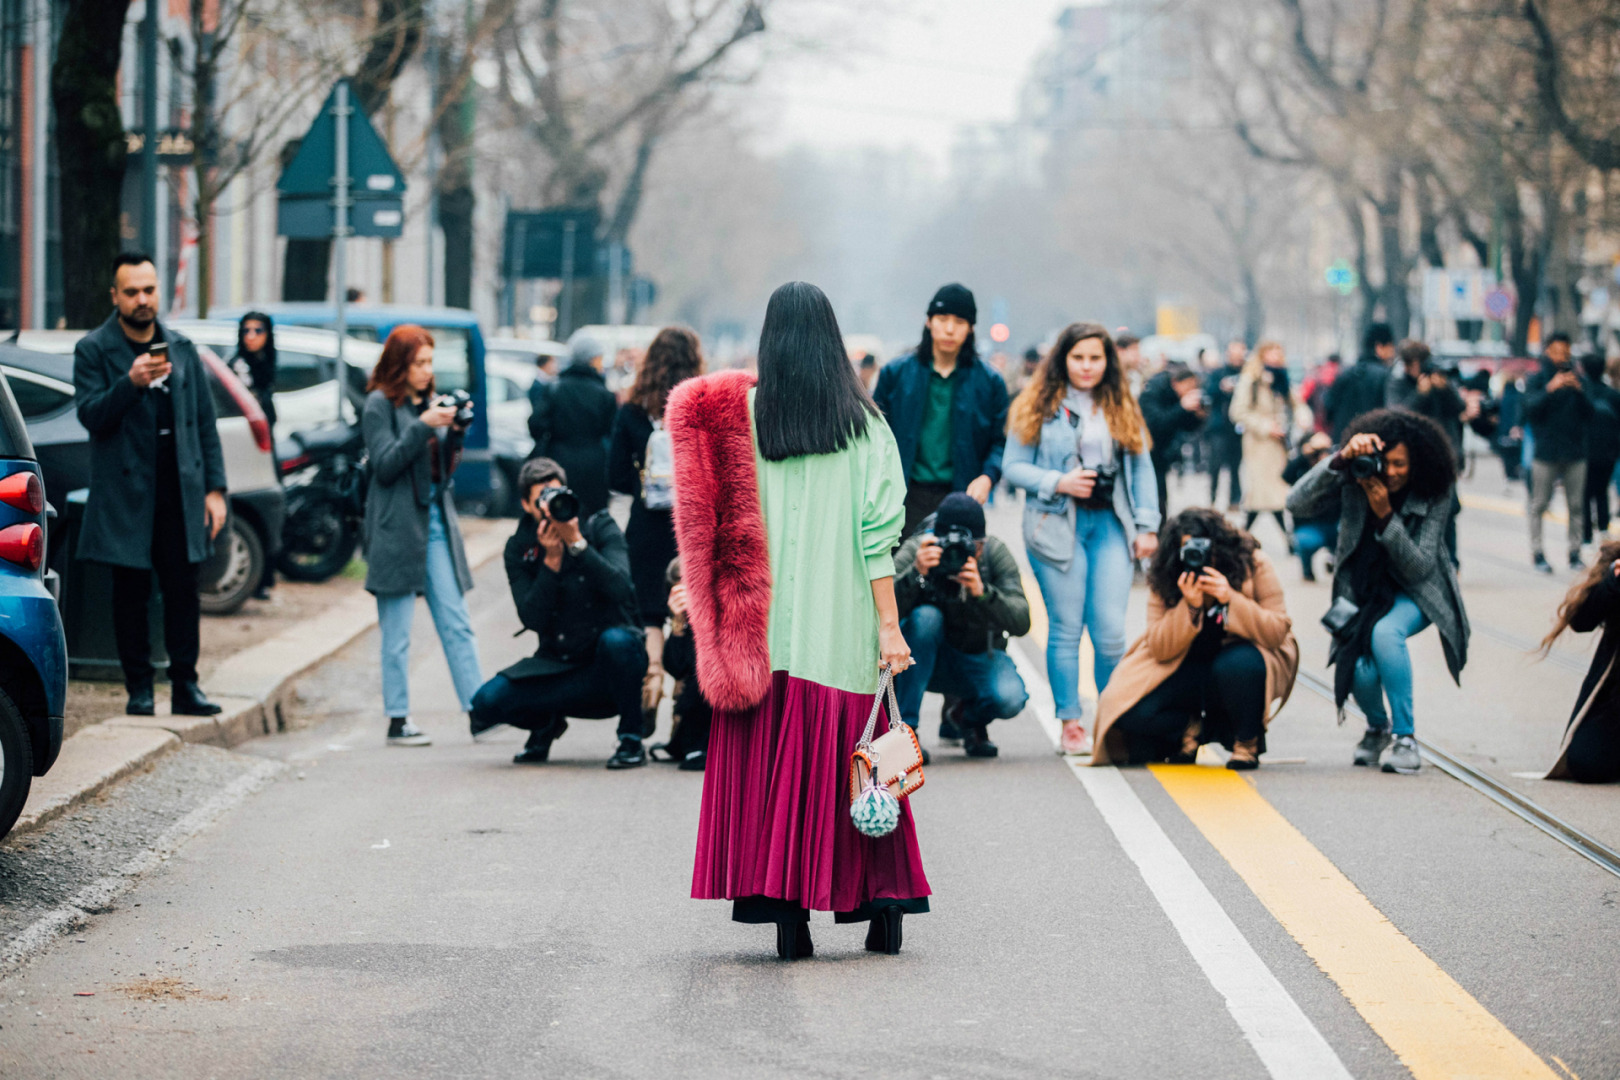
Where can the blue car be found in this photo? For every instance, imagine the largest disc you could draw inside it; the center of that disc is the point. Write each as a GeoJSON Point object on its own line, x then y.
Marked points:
{"type": "Point", "coordinates": [33, 652]}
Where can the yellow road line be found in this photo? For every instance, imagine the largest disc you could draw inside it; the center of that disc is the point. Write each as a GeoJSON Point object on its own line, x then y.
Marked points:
{"type": "Point", "coordinates": [1436, 1028]}
{"type": "Point", "coordinates": [1038, 629]}
{"type": "Point", "coordinates": [1510, 507]}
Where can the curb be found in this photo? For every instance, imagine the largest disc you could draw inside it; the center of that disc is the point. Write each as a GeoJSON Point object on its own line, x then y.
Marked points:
{"type": "Point", "coordinates": [250, 686]}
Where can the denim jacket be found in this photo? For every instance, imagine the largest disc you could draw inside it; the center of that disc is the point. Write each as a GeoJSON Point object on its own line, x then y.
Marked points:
{"type": "Point", "coordinates": [1037, 469]}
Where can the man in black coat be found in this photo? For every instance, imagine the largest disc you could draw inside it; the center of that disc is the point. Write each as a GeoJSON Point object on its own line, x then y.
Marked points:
{"type": "Point", "coordinates": [1361, 388]}
{"type": "Point", "coordinates": [1558, 412]}
{"type": "Point", "coordinates": [947, 408]}
{"type": "Point", "coordinates": [157, 480]}
{"type": "Point", "coordinates": [1220, 434]}
{"type": "Point", "coordinates": [1173, 408]}
{"type": "Point", "coordinates": [571, 583]}
{"type": "Point", "coordinates": [572, 420]}
{"type": "Point", "coordinates": [1419, 385]}
{"type": "Point", "coordinates": [1602, 445]}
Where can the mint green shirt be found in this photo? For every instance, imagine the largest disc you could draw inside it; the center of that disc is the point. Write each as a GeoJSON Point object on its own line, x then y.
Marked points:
{"type": "Point", "coordinates": [833, 521]}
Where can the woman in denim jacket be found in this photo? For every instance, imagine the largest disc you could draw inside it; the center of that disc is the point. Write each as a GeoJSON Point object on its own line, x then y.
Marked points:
{"type": "Point", "coordinates": [1077, 444]}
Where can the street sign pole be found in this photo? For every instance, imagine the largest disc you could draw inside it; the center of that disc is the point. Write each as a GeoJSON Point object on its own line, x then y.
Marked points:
{"type": "Point", "coordinates": [149, 128]}
{"type": "Point", "coordinates": [568, 280]}
{"type": "Point", "coordinates": [340, 231]}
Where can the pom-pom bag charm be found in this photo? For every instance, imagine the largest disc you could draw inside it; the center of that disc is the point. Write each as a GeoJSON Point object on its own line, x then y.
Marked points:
{"type": "Point", "coordinates": [885, 770]}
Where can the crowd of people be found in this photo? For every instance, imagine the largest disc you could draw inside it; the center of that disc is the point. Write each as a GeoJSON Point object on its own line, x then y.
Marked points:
{"type": "Point", "coordinates": [801, 532]}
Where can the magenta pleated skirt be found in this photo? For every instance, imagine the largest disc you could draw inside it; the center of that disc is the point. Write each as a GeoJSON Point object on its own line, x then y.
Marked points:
{"type": "Point", "coordinates": [775, 819]}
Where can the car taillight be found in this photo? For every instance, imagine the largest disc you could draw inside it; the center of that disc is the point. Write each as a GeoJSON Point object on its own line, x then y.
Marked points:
{"type": "Point", "coordinates": [261, 432]}
{"type": "Point", "coordinates": [23, 544]}
{"type": "Point", "coordinates": [23, 491]}
{"type": "Point", "coordinates": [293, 464]}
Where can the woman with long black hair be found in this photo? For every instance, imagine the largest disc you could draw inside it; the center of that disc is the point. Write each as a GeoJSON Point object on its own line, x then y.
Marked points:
{"type": "Point", "coordinates": [1393, 480]}
{"type": "Point", "coordinates": [789, 502]}
{"type": "Point", "coordinates": [254, 362]}
{"type": "Point", "coordinates": [1078, 445]}
{"type": "Point", "coordinates": [1590, 752]}
{"type": "Point", "coordinates": [639, 465]}
{"type": "Point", "coordinates": [1218, 658]}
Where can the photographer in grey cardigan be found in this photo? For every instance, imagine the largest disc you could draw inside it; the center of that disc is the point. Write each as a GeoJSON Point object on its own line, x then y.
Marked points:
{"type": "Point", "coordinates": [412, 538]}
{"type": "Point", "coordinates": [157, 481]}
{"type": "Point", "coordinates": [1392, 575]}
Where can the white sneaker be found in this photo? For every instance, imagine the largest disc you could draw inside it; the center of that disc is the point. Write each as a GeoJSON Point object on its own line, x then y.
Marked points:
{"type": "Point", "coordinates": [405, 733]}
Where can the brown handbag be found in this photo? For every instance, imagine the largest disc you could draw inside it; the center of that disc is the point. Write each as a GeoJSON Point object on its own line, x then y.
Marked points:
{"type": "Point", "coordinates": [895, 756]}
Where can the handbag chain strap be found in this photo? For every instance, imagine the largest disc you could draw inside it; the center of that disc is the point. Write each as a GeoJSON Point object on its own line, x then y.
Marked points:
{"type": "Point", "coordinates": [885, 686]}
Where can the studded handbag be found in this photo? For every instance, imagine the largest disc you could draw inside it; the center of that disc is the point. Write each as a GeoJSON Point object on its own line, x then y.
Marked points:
{"type": "Point", "coordinates": [884, 770]}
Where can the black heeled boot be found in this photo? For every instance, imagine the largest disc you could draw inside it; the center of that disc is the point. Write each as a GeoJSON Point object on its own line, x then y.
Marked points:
{"type": "Point", "coordinates": [884, 934]}
{"type": "Point", "coordinates": [793, 940]}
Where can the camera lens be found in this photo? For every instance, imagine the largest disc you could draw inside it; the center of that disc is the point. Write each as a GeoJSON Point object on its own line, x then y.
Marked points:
{"type": "Point", "coordinates": [561, 504]}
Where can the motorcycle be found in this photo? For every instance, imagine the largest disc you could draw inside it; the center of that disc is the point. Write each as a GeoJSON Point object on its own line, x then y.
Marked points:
{"type": "Point", "coordinates": [323, 471]}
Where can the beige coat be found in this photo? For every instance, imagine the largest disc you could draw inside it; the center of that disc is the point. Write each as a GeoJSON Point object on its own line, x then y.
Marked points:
{"type": "Point", "coordinates": [1257, 614]}
{"type": "Point", "coordinates": [1263, 416]}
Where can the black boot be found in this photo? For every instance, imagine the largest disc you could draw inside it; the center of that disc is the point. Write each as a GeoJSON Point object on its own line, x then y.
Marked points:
{"type": "Point", "coordinates": [187, 699]}
{"type": "Point", "coordinates": [884, 934]}
{"type": "Point", "coordinates": [538, 748]}
{"type": "Point", "coordinates": [140, 701]}
{"type": "Point", "coordinates": [793, 940]}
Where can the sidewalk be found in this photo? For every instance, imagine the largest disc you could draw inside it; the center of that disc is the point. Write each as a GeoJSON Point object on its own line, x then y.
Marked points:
{"type": "Point", "coordinates": [250, 685]}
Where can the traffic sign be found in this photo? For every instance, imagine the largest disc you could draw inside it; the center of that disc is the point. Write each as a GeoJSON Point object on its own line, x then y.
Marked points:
{"type": "Point", "coordinates": [537, 242]}
{"type": "Point", "coordinates": [1499, 304]}
{"type": "Point", "coordinates": [1341, 277]}
{"type": "Point", "coordinates": [999, 333]}
{"type": "Point", "coordinates": [309, 182]}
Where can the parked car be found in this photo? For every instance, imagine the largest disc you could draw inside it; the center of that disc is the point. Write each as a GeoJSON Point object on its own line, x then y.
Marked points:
{"type": "Point", "coordinates": [522, 350]}
{"type": "Point", "coordinates": [507, 390]}
{"type": "Point", "coordinates": [33, 650]}
{"type": "Point", "coordinates": [40, 369]}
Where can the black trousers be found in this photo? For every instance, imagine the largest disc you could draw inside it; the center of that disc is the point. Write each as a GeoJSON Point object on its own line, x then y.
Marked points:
{"type": "Point", "coordinates": [1598, 473]}
{"type": "Point", "coordinates": [922, 500]}
{"type": "Point", "coordinates": [132, 595]}
{"type": "Point", "coordinates": [1225, 452]}
{"type": "Point", "coordinates": [1161, 472]}
{"type": "Point", "coordinates": [610, 685]}
{"type": "Point", "coordinates": [1228, 691]}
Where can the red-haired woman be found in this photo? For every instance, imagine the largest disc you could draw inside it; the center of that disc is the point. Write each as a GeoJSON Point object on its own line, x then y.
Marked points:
{"type": "Point", "coordinates": [411, 537]}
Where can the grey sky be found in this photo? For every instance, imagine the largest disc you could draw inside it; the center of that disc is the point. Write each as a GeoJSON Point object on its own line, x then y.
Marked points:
{"type": "Point", "coordinates": [913, 74]}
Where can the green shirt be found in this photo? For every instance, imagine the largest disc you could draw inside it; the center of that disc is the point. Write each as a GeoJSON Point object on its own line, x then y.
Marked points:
{"type": "Point", "coordinates": [935, 463]}
{"type": "Point", "coordinates": [832, 521]}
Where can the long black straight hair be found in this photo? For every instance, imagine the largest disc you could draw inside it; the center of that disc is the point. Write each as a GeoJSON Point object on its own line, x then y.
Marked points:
{"type": "Point", "coordinates": [810, 400]}
{"type": "Point", "coordinates": [925, 348]}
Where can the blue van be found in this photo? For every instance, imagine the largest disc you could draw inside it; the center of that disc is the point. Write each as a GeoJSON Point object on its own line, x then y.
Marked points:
{"type": "Point", "coordinates": [33, 652]}
{"type": "Point", "coordinates": [458, 364]}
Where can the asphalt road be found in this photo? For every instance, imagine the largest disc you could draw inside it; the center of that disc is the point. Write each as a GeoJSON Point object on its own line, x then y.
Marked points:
{"type": "Point", "coordinates": [439, 912]}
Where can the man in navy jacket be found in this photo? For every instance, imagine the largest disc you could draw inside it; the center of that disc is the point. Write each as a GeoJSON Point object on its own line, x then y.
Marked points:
{"type": "Point", "coordinates": [947, 407]}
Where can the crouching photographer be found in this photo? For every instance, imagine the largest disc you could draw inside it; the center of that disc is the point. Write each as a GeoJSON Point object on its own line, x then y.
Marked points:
{"type": "Point", "coordinates": [571, 584]}
{"type": "Point", "coordinates": [1394, 480]}
{"type": "Point", "coordinates": [960, 597]}
{"type": "Point", "coordinates": [1217, 661]}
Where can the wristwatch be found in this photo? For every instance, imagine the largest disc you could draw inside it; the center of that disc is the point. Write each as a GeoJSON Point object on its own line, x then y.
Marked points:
{"type": "Point", "coordinates": [578, 547]}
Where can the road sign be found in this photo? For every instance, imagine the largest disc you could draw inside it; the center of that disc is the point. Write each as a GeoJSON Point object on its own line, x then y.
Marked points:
{"type": "Point", "coordinates": [1499, 304]}
{"type": "Point", "coordinates": [536, 242]}
{"type": "Point", "coordinates": [1000, 332]}
{"type": "Point", "coordinates": [308, 183]}
{"type": "Point", "coordinates": [1341, 277]}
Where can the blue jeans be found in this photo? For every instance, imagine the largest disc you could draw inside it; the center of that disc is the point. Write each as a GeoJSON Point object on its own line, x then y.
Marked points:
{"type": "Point", "coordinates": [610, 685]}
{"type": "Point", "coordinates": [1090, 596]}
{"type": "Point", "coordinates": [1387, 670]}
{"type": "Point", "coordinates": [987, 682]}
{"type": "Point", "coordinates": [449, 609]}
{"type": "Point", "coordinates": [1313, 536]}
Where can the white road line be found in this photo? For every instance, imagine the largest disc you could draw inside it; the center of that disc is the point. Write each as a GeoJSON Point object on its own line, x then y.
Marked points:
{"type": "Point", "coordinates": [1287, 1043]}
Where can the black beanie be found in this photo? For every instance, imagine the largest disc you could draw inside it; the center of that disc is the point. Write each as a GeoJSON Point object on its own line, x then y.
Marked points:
{"type": "Point", "coordinates": [955, 300]}
{"type": "Point", "coordinates": [961, 509]}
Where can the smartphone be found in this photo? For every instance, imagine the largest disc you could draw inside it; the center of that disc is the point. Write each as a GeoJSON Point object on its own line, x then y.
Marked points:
{"type": "Point", "coordinates": [159, 350]}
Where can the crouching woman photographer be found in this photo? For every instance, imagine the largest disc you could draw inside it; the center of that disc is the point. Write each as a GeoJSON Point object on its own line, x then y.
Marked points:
{"type": "Point", "coordinates": [1218, 658]}
{"type": "Point", "coordinates": [412, 538]}
{"type": "Point", "coordinates": [1392, 575]}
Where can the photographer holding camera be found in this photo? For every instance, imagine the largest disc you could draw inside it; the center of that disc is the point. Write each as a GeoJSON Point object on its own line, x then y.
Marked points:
{"type": "Point", "coordinates": [1394, 479]}
{"type": "Point", "coordinates": [571, 585]}
{"type": "Point", "coordinates": [961, 597]}
{"type": "Point", "coordinates": [411, 537]}
{"type": "Point", "coordinates": [1217, 661]}
{"type": "Point", "coordinates": [1558, 413]}
{"type": "Point", "coordinates": [1429, 389]}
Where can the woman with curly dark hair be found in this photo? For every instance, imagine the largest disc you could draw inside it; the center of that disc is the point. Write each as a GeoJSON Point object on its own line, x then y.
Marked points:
{"type": "Point", "coordinates": [1218, 658]}
{"type": "Point", "coordinates": [1392, 574]}
{"type": "Point", "coordinates": [641, 465]}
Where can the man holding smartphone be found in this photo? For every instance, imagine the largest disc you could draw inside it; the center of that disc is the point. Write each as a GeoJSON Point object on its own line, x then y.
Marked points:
{"type": "Point", "coordinates": [157, 480]}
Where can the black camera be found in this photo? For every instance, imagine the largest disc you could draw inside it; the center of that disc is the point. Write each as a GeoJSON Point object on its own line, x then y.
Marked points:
{"type": "Point", "coordinates": [1367, 466]}
{"type": "Point", "coordinates": [1102, 487]}
{"type": "Point", "coordinates": [459, 400]}
{"type": "Point", "coordinates": [560, 503]}
{"type": "Point", "coordinates": [1194, 554]}
{"type": "Point", "coordinates": [956, 547]}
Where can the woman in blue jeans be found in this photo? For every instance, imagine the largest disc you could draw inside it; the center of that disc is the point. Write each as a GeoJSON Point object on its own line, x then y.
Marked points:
{"type": "Point", "coordinates": [1078, 446]}
{"type": "Point", "coordinates": [411, 537]}
{"type": "Point", "coordinates": [1392, 574]}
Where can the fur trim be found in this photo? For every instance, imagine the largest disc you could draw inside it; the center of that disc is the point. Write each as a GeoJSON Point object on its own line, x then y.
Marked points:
{"type": "Point", "coordinates": [720, 528]}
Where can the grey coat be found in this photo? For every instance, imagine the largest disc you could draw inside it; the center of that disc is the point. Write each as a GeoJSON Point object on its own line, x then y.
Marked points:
{"type": "Point", "coordinates": [1414, 542]}
{"type": "Point", "coordinates": [400, 489]}
{"type": "Point", "coordinates": [122, 421]}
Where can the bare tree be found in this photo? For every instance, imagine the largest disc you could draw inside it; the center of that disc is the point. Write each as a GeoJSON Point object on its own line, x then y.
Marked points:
{"type": "Point", "coordinates": [1576, 74]}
